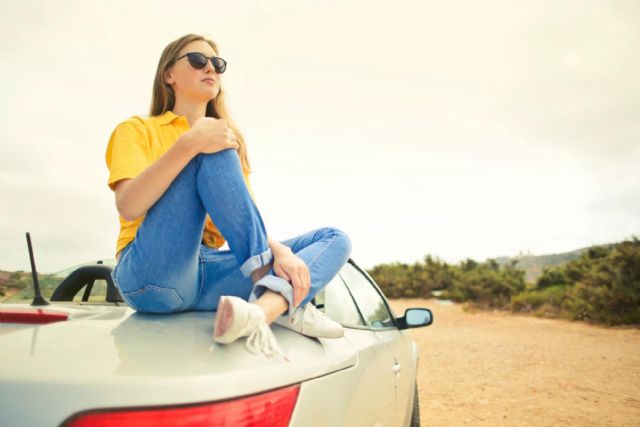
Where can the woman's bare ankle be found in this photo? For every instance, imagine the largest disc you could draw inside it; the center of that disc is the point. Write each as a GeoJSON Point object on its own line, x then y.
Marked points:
{"type": "Point", "coordinates": [273, 304]}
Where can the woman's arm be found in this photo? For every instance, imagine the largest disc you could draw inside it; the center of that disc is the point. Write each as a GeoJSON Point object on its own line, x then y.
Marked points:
{"type": "Point", "coordinates": [135, 196]}
{"type": "Point", "coordinates": [290, 267]}
{"type": "Point", "coordinates": [277, 247]}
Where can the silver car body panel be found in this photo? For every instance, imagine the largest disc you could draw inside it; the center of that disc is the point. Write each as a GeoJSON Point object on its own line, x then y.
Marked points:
{"type": "Point", "coordinates": [106, 364]}
{"type": "Point", "coordinates": [110, 356]}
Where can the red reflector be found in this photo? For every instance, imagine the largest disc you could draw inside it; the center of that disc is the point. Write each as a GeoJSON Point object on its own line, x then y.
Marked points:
{"type": "Point", "coordinates": [273, 408]}
{"type": "Point", "coordinates": [31, 315]}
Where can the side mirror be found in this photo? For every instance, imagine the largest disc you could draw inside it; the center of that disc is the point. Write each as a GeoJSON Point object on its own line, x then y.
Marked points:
{"type": "Point", "coordinates": [415, 318]}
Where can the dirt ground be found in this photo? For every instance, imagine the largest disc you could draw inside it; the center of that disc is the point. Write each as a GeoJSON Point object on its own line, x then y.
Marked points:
{"type": "Point", "coordinates": [487, 368]}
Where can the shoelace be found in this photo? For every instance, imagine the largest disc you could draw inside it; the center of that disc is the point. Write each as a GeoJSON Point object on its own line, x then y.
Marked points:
{"type": "Point", "coordinates": [263, 340]}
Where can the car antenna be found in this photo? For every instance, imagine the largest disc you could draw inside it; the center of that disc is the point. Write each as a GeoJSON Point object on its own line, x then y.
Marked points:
{"type": "Point", "coordinates": [37, 300]}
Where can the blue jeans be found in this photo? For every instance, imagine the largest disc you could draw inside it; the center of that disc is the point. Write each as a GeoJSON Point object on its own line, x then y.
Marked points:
{"type": "Point", "coordinates": [167, 269]}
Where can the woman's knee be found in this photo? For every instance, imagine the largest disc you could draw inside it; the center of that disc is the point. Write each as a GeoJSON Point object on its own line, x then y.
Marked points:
{"type": "Point", "coordinates": [227, 156]}
{"type": "Point", "coordinates": [222, 166]}
{"type": "Point", "coordinates": [340, 239]}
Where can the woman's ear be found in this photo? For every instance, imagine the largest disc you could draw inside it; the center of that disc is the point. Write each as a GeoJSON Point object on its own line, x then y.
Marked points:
{"type": "Point", "coordinates": [168, 77]}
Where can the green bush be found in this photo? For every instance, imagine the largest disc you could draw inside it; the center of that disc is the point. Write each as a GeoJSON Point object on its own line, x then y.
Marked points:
{"type": "Point", "coordinates": [533, 300]}
{"type": "Point", "coordinates": [552, 277]}
{"type": "Point", "coordinates": [398, 280]}
{"type": "Point", "coordinates": [602, 286]}
{"type": "Point", "coordinates": [609, 292]}
{"type": "Point", "coordinates": [486, 284]}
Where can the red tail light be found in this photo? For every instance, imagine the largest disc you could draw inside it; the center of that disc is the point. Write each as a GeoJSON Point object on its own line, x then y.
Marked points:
{"type": "Point", "coordinates": [273, 408]}
{"type": "Point", "coordinates": [31, 315]}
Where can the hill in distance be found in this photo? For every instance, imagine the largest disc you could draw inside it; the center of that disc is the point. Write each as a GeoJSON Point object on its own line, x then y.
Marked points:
{"type": "Point", "coordinates": [534, 264]}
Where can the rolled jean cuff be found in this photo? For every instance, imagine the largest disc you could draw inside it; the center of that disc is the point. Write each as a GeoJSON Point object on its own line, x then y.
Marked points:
{"type": "Point", "coordinates": [276, 284]}
{"type": "Point", "coordinates": [255, 262]}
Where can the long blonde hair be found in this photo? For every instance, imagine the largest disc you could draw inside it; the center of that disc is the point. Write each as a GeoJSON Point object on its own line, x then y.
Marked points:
{"type": "Point", "coordinates": [163, 98]}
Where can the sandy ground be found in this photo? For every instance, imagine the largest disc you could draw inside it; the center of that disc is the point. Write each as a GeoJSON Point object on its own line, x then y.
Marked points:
{"type": "Point", "coordinates": [488, 368]}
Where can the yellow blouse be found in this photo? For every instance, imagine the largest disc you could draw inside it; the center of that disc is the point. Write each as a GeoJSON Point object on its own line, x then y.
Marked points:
{"type": "Point", "coordinates": [135, 144]}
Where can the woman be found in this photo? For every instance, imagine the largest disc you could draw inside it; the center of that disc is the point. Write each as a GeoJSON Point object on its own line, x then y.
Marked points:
{"type": "Point", "coordinates": [181, 183]}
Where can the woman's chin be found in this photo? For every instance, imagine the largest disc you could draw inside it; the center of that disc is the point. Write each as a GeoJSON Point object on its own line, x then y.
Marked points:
{"type": "Point", "coordinates": [206, 97]}
{"type": "Point", "coordinates": [210, 96]}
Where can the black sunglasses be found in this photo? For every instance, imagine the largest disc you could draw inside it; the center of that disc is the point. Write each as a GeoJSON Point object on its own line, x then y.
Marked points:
{"type": "Point", "coordinates": [199, 61]}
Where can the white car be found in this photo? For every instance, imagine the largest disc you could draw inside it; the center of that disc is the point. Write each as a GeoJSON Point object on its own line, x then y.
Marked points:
{"type": "Point", "coordinates": [88, 359]}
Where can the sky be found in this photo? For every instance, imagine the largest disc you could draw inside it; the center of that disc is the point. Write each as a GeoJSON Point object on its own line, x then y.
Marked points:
{"type": "Point", "coordinates": [458, 129]}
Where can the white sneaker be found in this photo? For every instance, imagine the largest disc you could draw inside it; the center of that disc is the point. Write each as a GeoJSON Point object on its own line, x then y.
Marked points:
{"type": "Point", "coordinates": [310, 321]}
{"type": "Point", "coordinates": [237, 318]}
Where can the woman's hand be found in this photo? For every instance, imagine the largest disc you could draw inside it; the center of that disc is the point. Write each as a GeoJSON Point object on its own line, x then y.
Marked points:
{"type": "Point", "coordinates": [293, 269]}
{"type": "Point", "coordinates": [211, 135]}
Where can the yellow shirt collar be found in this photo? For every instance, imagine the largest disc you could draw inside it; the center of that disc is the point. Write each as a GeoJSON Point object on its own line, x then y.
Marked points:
{"type": "Point", "coordinates": [166, 117]}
